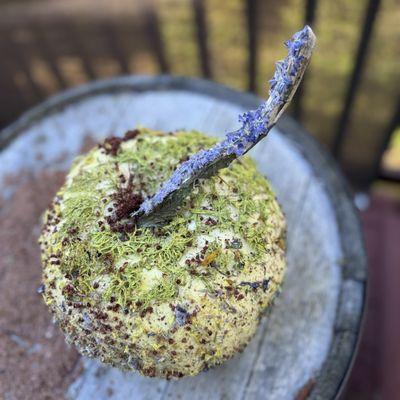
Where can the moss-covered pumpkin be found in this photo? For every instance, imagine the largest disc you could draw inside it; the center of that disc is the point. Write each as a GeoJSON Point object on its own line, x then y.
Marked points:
{"type": "Point", "coordinates": [169, 301]}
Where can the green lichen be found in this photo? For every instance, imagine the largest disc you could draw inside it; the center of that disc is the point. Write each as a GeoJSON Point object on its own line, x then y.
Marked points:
{"type": "Point", "coordinates": [154, 267]}
{"type": "Point", "coordinates": [84, 198]}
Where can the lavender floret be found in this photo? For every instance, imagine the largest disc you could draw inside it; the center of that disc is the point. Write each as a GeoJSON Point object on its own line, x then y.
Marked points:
{"type": "Point", "coordinates": [255, 125]}
{"type": "Point", "coordinates": [181, 315]}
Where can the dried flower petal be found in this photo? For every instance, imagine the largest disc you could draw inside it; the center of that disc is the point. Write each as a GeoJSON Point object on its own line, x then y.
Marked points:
{"type": "Point", "coordinates": [255, 125]}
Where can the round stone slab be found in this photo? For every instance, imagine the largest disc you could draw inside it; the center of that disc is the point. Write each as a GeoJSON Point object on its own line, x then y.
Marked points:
{"type": "Point", "coordinates": [304, 347]}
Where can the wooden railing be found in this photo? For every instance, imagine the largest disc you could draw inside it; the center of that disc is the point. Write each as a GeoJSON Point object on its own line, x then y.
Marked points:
{"type": "Point", "coordinates": [30, 42]}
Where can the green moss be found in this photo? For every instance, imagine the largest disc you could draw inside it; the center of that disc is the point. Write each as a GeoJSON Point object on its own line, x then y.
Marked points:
{"type": "Point", "coordinates": [116, 296]}
{"type": "Point", "coordinates": [152, 157]}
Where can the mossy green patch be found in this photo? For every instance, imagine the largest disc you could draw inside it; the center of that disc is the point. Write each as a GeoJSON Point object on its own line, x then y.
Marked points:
{"type": "Point", "coordinates": [227, 201]}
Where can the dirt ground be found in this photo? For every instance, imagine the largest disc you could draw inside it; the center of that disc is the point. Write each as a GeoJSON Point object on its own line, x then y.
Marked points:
{"type": "Point", "coordinates": [35, 361]}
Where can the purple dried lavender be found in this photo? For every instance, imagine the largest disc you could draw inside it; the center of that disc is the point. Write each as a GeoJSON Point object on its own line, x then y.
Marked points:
{"type": "Point", "coordinates": [255, 125]}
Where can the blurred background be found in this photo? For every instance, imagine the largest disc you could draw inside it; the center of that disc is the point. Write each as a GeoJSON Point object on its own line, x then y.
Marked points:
{"type": "Point", "coordinates": [349, 99]}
